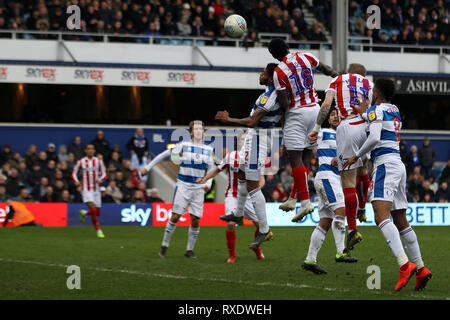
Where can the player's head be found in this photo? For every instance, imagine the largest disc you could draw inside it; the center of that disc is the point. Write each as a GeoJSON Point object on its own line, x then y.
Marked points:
{"type": "Point", "coordinates": [90, 150]}
{"type": "Point", "coordinates": [333, 118]}
{"type": "Point", "coordinates": [266, 77]}
{"type": "Point", "coordinates": [384, 90]}
{"type": "Point", "coordinates": [278, 48]}
{"type": "Point", "coordinates": [197, 129]}
{"type": "Point", "coordinates": [357, 68]}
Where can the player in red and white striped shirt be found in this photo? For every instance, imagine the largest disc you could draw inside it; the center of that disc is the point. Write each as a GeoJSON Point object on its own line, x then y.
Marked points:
{"type": "Point", "coordinates": [93, 173]}
{"type": "Point", "coordinates": [230, 163]}
{"type": "Point", "coordinates": [294, 82]}
{"type": "Point", "coordinates": [347, 89]}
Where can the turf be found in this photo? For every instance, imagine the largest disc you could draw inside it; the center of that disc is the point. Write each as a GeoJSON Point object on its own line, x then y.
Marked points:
{"type": "Point", "coordinates": [125, 265]}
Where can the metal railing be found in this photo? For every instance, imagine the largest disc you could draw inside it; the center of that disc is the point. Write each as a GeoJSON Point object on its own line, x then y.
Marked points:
{"type": "Point", "coordinates": [355, 43]}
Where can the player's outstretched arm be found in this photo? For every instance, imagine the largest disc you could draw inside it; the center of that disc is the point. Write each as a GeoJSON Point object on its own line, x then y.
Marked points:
{"type": "Point", "coordinates": [249, 122]}
{"type": "Point", "coordinates": [327, 70]}
{"type": "Point", "coordinates": [210, 175]}
{"type": "Point", "coordinates": [160, 157]}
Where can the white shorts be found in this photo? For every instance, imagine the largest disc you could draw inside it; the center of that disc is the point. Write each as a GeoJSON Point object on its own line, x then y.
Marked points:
{"type": "Point", "coordinates": [331, 196]}
{"type": "Point", "coordinates": [298, 125]}
{"type": "Point", "coordinates": [231, 205]}
{"type": "Point", "coordinates": [388, 183]}
{"type": "Point", "coordinates": [185, 197]}
{"type": "Point", "coordinates": [350, 136]}
{"type": "Point", "coordinates": [256, 147]}
{"type": "Point", "coordinates": [92, 196]}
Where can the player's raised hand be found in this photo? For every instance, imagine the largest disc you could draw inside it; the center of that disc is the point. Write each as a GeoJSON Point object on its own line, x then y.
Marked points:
{"type": "Point", "coordinates": [362, 105]}
{"type": "Point", "coordinates": [143, 172]}
{"type": "Point", "coordinates": [312, 137]}
{"type": "Point", "coordinates": [334, 162]}
{"type": "Point", "coordinates": [200, 180]}
{"type": "Point", "coordinates": [349, 161]}
{"type": "Point", "coordinates": [222, 116]}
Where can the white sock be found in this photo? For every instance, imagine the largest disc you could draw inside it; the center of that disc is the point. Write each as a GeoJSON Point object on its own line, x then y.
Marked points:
{"type": "Point", "coordinates": [168, 232]}
{"type": "Point", "coordinates": [392, 237]}
{"type": "Point", "coordinates": [192, 237]}
{"type": "Point", "coordinates": [338, 228]}
{"type": "Point", "coordinates": [412, 246]}
{"type": "Point", "coordinates": [317, 238]}
{"type": "Point", "coordinates": [259, 203]}
{"type": "Point", "coordinates": [241, 198]}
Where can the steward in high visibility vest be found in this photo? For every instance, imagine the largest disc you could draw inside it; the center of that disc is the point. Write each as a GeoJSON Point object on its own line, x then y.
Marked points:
{"type": "Point", "coordinates": [18, 214]}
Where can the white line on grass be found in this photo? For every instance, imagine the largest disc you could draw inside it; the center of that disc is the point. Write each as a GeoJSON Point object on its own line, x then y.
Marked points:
{"type": "Point", "coordinates": [170, 276]}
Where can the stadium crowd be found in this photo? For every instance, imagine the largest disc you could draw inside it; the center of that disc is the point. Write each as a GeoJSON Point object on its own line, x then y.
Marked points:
{"type": "Point", "coordinates": [420, 22]}
{"type": "Point", "coordinates": [45, 175]}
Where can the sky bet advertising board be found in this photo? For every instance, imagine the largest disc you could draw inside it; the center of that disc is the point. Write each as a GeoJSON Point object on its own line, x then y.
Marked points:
{"type": "Point", "coordinates": [157, 214]}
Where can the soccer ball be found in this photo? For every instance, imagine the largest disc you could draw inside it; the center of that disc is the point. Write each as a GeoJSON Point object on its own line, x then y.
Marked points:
{"type": "Point", "coordinates": [235, 26]}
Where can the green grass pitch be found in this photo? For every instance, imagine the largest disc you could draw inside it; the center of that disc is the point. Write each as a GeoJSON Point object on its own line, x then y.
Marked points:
{"type": "Point", "coordinates": [125, 265]}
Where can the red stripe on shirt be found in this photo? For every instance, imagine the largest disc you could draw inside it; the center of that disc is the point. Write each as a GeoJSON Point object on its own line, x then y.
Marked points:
{"type": "Point", "coordinates": [340, 99]}
{"type": "Point", "coordinates": [94, 174]}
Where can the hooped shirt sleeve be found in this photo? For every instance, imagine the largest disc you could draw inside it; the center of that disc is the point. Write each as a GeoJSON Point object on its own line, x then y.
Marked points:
{"type": "Point", "coordinates": [374, 114]}
{"type": "Point", "coordinates": [267, 102]}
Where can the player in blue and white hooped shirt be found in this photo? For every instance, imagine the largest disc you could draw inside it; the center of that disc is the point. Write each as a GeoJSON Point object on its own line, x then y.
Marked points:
{"type": "Point", "coordinates": [388, 186]}
{"type": "Point", "coordinates": [196, 160]}
{"type": "Point", "coordinates": [265, 114]}
{"type": "Point", "coordinates": [331, 199]}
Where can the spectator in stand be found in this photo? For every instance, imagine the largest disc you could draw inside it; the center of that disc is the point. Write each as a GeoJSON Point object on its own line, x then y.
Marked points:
{"type": "Point", "coordinates": [49, 195]}
{"type": "Point", "coordinates": [77, 148]}
{"type": "Point", "coordinates": [35, 175]}
{"type": "Point", "coordinates": [183, 27]}
{"type": "Point", "coordinates": [138, 145]}
{"type": "Point", "coordinates": [445, 175]}
{"type": "Point", "coordinates": [415, 181]}
{"type": "Point", "coordinates": [42, 160]}
{"type": "Point", "coordinates": [6, 154]}
{"type": "Point", "coordinates": [128, 191]}
{"type": "Point", "coordinates": [58, 187]}
{"type": "Point", "coordinates": [138, 197]}
{"type": "Point", "coordinates": [51, 154]}
{"type": "Point", "coordinates": [119, 179]}
{"type": "Point", "coordinates": [412, 159]}
{"type": "Point", "coordinates": [14, 161]}
{"type": "Point", "coordinates": [168, 26]}
{"type": "Point", "coordinates": [270, 184]}
{"type": "Point", "coordinates": [427, 156]}
{"type": "Point", "coordinates": [281, 194]}
{"type": "Point", "coordinates": [31, 156]}
{"type": "Point", "coordinates": [198, 30]}
{"type": "Point", "coordinates": [62, 154]}
{"type": "Point", "coordinates": [6, 169]}
{"type": "Point", "coordinates": [114, 191]}
{"type": "Point", "coordinates": [102, 146]}
{"type": "Point", "coordinates": [39, 190]}
{"type": "Point", "coordinates": [50, 170]}
{"type": "Point", "coordinates": [443, 193]}
{"type": "Point", "coordinates": [286, 178]}
{"type": "Point", "coordinates": [426, 191]}
{"type": "Point", "coordinates": [65, 196]}
{"type": "Point", "coordinates": [3, 195]}
{"type": "Point", "coordinates": [106, 198]}
{"type": "Point", "coordinates": [71, 162]}
{"type": "Point", "coordinates": [434, 186]}
{"type": "Point", "coordinates": [153, 196]}
{"type": "Point", "coordinates": [12, 184]}
{"type": "Point", "coordinates": [24, 196]}
{"type": "Point", "coordinates": [22, 173]}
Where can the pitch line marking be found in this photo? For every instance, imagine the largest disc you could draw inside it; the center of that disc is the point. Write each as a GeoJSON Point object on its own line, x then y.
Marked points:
{"type": "Point", "coordinates": [170, 276]}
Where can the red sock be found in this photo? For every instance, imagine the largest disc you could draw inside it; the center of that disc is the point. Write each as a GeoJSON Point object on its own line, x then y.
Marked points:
{"type": "Point", "coordinates": [257, 250]}
{"type": "Point", "coordinates": [91, 211]}
{"type": "Point", "coordinates": [362, 186]}
{"type": "Point", "coordinates": [95, 213]}
{"type": "Point", "coordinates": [351, 204]}
{"type": "Point", "coordinates": [231, 241]}
{"type": "Point", "coordinates": [300, 175]}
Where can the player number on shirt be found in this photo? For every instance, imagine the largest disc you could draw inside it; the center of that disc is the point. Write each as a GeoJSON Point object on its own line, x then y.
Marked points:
{"type": "Point", "coordinates": [307, 80]}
